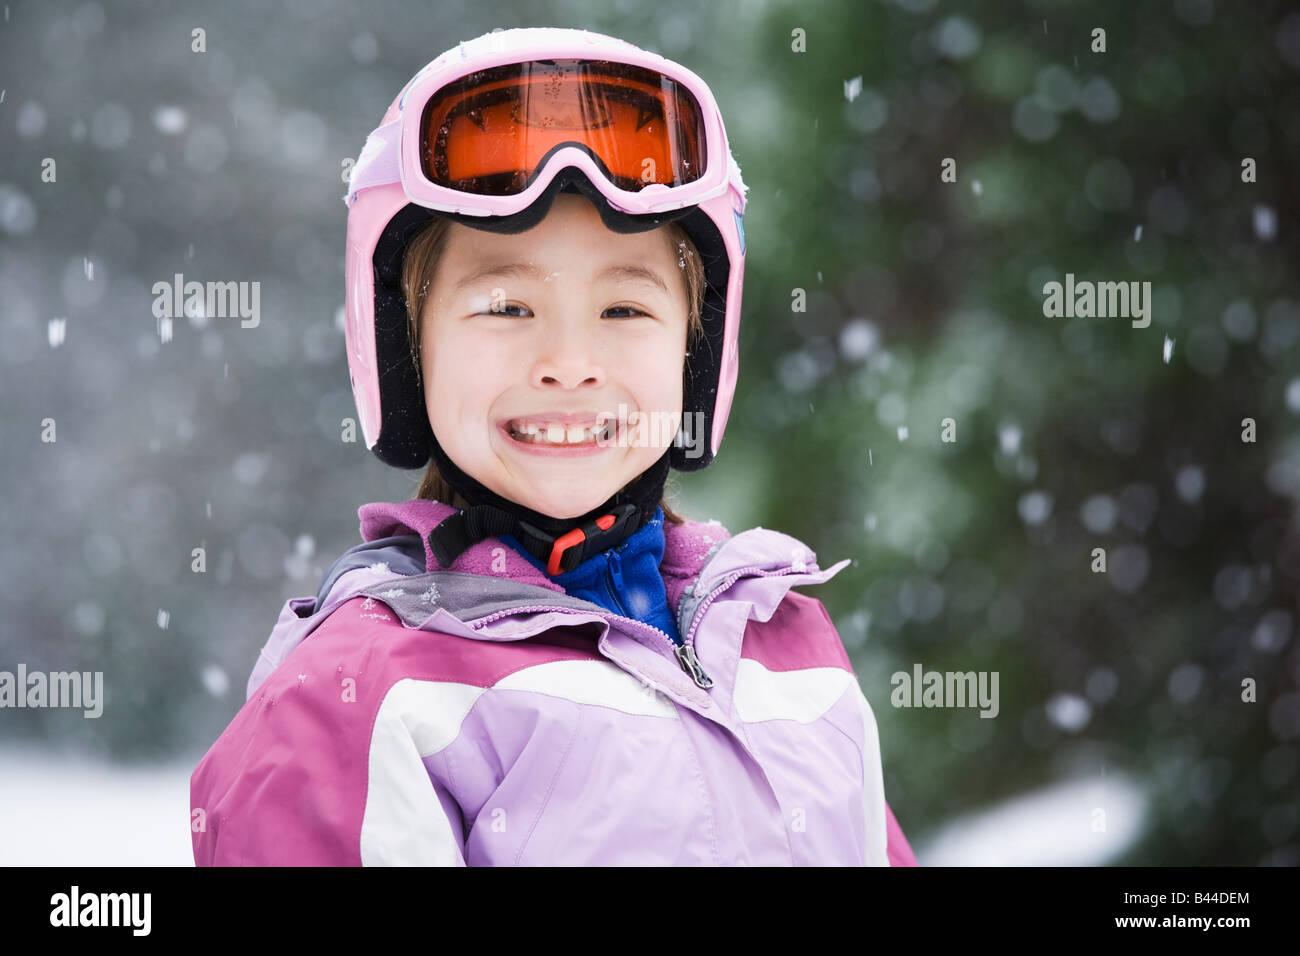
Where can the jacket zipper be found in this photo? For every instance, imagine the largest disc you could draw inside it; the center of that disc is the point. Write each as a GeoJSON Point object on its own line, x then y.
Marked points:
{"type": "Point", "coordinates": [727, 582]}
{"type": "Point", "coordinates": [684, 652]}
{"type": "Point", "coordinates": [614, 566]}
{"type": "Point", "coordinates": [666, 638]}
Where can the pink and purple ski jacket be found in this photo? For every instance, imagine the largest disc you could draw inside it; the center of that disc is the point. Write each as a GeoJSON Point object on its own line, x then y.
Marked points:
{"type": "Point", "coordinates": [480, 716]}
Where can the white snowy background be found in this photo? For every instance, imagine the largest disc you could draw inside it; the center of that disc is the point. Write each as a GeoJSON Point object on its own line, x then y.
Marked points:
{"type": "Point", "coordinates": [75, 811]}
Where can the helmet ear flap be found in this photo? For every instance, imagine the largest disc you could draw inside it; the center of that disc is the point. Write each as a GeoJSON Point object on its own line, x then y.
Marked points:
{"type": "Point", "coordinates": [704, 363]}
{"type": "Point", "coordinates": [405, 438]}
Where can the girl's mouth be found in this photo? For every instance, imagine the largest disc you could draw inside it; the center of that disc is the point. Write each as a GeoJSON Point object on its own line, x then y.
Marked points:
{"type": "Point", "coordinates": [558, 439]}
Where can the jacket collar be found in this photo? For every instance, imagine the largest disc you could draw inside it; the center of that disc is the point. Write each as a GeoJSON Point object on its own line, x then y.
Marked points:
{"type": "Point", "coordinates": [687, 547]}
{"type": "Point", "coordinates": [485, 598]}
{"type": "Point", "coordinates": [701, 560]}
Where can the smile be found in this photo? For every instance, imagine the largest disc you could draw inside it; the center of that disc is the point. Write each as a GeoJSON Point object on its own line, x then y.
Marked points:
{"type": "Point", "coordinates": [549, 435]}
{"type": "Point", "coordinates": [559, 434]}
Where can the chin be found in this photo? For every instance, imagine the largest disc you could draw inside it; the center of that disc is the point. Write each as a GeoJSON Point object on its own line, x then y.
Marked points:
{"type": "Point", "coordinates": [560, 504]}
{"type": "Point", "coordinates": [566, 510]}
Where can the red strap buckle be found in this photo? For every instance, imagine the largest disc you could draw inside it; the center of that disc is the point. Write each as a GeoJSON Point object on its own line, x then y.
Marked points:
{"type": "Point", "coordinates": [570, 538]}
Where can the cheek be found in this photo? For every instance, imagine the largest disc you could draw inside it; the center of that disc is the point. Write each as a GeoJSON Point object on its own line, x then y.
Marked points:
{"type": "Point", "coordinates": [464, 376]}
{"type": "Point", "coordinates": [656, 375]}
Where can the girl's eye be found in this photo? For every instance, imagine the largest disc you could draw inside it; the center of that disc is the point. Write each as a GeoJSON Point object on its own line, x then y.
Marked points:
{"type": "Point", "coordinates": [508, 310]}
{"type": "Point", "coordinates": [624, 308]}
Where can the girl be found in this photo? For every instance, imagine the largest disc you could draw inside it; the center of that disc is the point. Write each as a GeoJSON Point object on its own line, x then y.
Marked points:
{"type": "Point", "coordinates": [535, 660]}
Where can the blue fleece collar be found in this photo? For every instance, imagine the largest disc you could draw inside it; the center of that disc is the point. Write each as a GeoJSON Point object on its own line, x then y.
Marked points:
{"type": "Point", "coordinates": [634, 563]}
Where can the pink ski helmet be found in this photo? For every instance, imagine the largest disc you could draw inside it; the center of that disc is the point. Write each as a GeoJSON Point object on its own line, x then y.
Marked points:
{"type": "Point", "coordinates": [486, 135]}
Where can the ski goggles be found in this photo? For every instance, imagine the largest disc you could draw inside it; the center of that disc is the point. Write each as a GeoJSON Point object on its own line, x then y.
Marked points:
{"type": "Point", "coordinates": [488, 142]}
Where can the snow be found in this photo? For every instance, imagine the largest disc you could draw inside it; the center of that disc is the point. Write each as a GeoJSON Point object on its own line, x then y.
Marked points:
{"type": "Point", "coordinates": [1098, 513]}
{"type": "Point", "coordinates": [17, 211]}
{"type": "Point", "coordinates": [31, 120]}
{"type": "Point", "coordinates": [1272, 632]}
{"type": "Point", "coordinates": [111, 126]}
{"type": "Point", "coordinates": [1098, 100]}
{"type": "Point", "coordinates": [1185, 682]}
{"type": "Point", "coordinates": [1034, 507]}
{"type": "Point", "coordinates": [1264, 220]}
{"type": "Point", "coordinates": [1293, 396]}
{"type": "Point", "coordinates": [64, 810]}
{"type": "Point", "coordinates": [1053, 826]}
{"type": "Point", "coordinates": [215, 680]}
{"type": "Point", "coordinates": [1190, 483]}
{"type": "Point", "coordinates": [1069, 712]}
{"type": "Point", "coordinates": [67, 810]}
{"type": "Point", "coordinates": [170, 119]}
{"type": "Point", "coordinates": [364, 48]}
{"type": "Point", "coordinates": [956, 38]}
{"type": "Point", "coordinates": [858, 339]}
{"type": "Point", "coordinates": [1128, 567]}
{"type": "Point", "coordinates": [1101, 684]}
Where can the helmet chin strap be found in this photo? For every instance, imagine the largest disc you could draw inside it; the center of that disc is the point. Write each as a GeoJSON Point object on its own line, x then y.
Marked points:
{"type": "Point", "coordinates": [559, 543]}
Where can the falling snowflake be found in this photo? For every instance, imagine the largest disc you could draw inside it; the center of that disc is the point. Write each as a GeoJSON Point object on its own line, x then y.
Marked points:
{"type": "Point", "coordinates": [1069, 712]}
{"type": "Point", "coordinates": [215, 680]}
{"type": "Point", "coordinates": [1265, 222]}
{"type": "Point", "coordinates": [368, 604]}
{"type": "Point", "coordinates": [170, 119]}
{"type": "Point", "coordinates": [430, 596]}
{"type": "Point", "coordinates": [1009, 436]}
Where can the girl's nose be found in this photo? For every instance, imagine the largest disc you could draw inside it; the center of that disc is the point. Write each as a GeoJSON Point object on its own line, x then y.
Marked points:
{"type": "Point", "coordinates": [569, 356]}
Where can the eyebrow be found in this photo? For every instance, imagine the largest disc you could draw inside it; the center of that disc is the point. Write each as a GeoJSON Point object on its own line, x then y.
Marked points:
{"type": "Point", "coordinates": [527, 270]}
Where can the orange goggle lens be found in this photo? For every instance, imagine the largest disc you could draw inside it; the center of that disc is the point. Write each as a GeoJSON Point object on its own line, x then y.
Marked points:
{"type": "Point", "coordinates": [490, 132]}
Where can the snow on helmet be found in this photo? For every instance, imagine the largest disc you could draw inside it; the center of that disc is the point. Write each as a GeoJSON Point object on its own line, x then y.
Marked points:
{"type": "Point", "coordinates": [453, 144]}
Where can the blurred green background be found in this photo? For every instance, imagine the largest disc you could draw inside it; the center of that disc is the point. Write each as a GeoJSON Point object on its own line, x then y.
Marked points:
{"type": "Point", "coordinates": [923, 302]}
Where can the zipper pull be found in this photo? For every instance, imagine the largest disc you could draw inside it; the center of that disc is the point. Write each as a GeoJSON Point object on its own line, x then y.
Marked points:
{"type": "Point", "coordinates": [616, 571]}
{"type": "Point", "coordinates": [691, 664]}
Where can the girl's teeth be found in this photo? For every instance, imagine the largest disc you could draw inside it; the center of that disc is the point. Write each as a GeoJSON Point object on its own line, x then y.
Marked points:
{"type": "Point", "coordinates": [557, 434]}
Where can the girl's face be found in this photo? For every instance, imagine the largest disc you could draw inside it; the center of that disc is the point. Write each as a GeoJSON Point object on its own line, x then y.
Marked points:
{"type": "Point", "coordinates": [550, 328]}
